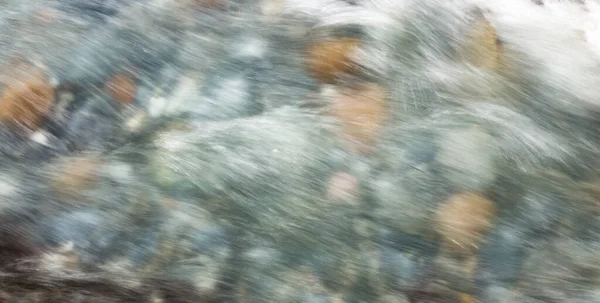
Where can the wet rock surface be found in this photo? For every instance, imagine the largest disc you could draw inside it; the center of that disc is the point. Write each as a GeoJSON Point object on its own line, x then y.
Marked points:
{"type": "Point", "coordinates": [299, 152]}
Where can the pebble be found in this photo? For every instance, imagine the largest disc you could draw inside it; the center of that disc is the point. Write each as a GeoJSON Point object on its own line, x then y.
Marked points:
{"type": "Point", "coordinates": [399, 210]}
{"type": "Point", "coordinates": [466, 298]}
{"type": "Point", "coordinates": [362, 112]}
{"type": "Point", "coordinates": [500, 259]}
{"type": "Point", "coordinates": [540, 211]}
{"type": "Point", "coordinates": [239, 84]}
{"type": "Point", "coordinates": [92, 126]}
{"type": "Point", "coordinates": [463, 219]}
{"type": "Point", "coordinates": [247, 48]}
{"type": "Point", "coordinates": [76, 174]}
{"type": "Point", "coordinates": [26, 97]}
{"type": "Point", "coordinates": [61, 258]}
{"type": "Point", "coordinates": [9, 187]}
{"type": "Point", "coordinates": [229, 92]}
{"type": "Point", "coordinates": [22, 149]}
{"type": "Point", "coordinates": [466, 158]}
{"type": "Point", "coordinates": [407, 198]}
{"type": "Point", "coordinates": [91, 233]}
{"type": "Point", "coordinates": [422, 148]}
{"type": "Point", "coordinates": [121, 88]}
{"type": "Point", "coordinates": [98, 10]}
{"type": "Point", "coordinates": [455, 271]}
{"type": "Point", "coordinates": [401, 271]}
{"type": "Point", "coordinates": [328, 60]}
{"type": "Point", "coordinates": [484, 50]}
{"type": "Point", "coordinates": [143, 248]}
{"type": "Point", "coordinates": [395, 298]}
{"type": "Point", "coordinates": [199, 272]}
{"type": "Point", "coordinates": [337, 270]}
{"type": "Point", "coordinates": [343, 187]}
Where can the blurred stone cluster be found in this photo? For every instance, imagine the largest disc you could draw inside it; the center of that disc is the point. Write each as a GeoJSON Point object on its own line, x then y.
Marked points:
{"type": "Point", "coordinates": [300, 151]}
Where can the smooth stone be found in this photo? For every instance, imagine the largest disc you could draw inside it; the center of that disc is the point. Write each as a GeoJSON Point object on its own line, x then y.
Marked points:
{"type": "Point", "coordinates": [328, 60]}
{"type": "Point", "coordinates": [501, 257]}
{"type": "Point", "coordinates": [361, 112]}
{"type": "Point", "coordinates": [539, 211]}
{"type": "Point", "coordinates": [96, 10]}
{"type": "Point", "coordinates": [406, 199]}
{"type": "Point", "coordinates": [484, 50]}
{"type": "Point", "coordinates": [26, 99]}
{"type": "Point", "coordinates": [229, 92]}
{"type": "Point", "coordinates": [211, 240]}
{"type": "Point", "coordinates": [422, 148]}
{"type": "Point", "coordinates": [401, 272]}
{"type": "Point", "coordinates": [343, 187]}
{"type": "Point", "coordinates": [122, 88]}
{"type": "Point", "coordinates": [466, 158]}
{"type": "Point", "coordinates": [76, 174]}
{"type": "Point", "coordinates": [463, 219]}
{"type": "Point", "coordinates": [93, 236]}
{"type": "Point", "coordinates": [144, 247]}
{"type": "Point", "coordinates": [92, 126]}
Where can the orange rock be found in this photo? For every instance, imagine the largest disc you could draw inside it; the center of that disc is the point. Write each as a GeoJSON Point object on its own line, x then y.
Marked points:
{"type": "Point", "coordinates": [466, 298]}
{"type": "Point", "coordinates": [122, 88]}
{"type": "Point", "coordinates": [484, 49]}
{"type": "Point", "coordinates": [76, 175]}
{"type": "Point", "coordinates": [462, 220]}
{"type": "Point", "coordinates": [26, 98]}
{"type": "Point", "coordinates": [342, 187]}
{"type": "Point", "coordinates": [329, 59]}
{"type": "Point", "coordinates": [170, 203]}
{"type": "Point", "coordinates": [361, 112]}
